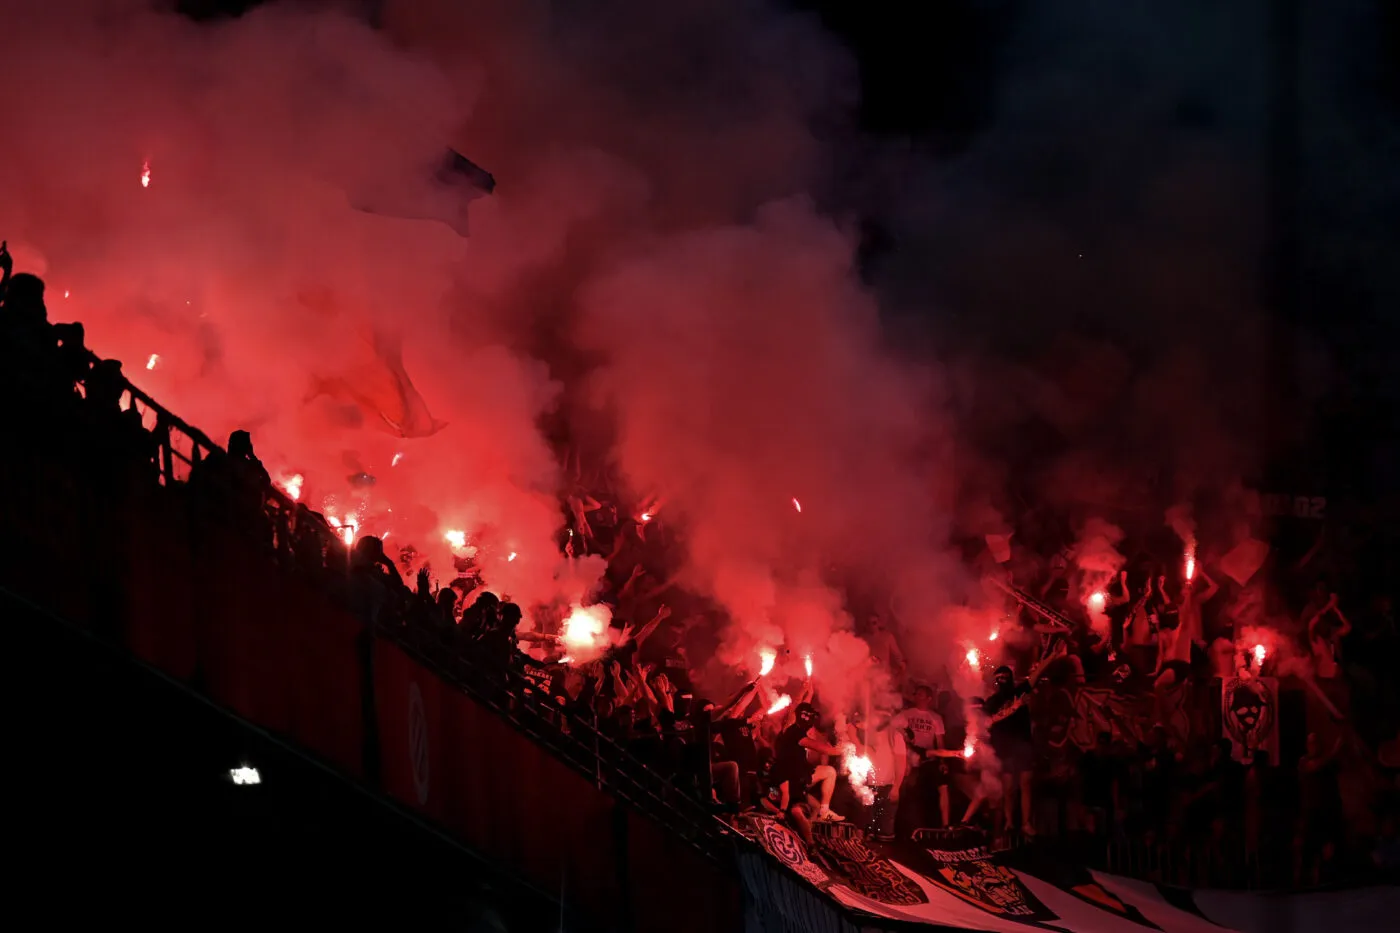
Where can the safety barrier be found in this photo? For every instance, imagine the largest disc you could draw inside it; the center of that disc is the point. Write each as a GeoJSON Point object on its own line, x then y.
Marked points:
{"type": "Point", "coordinates": [103, 527]}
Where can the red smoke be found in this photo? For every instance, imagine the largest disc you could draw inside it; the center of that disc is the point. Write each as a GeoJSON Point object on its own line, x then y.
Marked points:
{"type": "Point", "coordinates": [650, 252]}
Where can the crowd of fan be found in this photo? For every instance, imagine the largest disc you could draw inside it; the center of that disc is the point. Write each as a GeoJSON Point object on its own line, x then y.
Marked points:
{"type": "Point", "coordinates": [923, 757]}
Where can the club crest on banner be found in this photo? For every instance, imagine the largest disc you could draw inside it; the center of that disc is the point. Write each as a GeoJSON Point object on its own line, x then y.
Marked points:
{"type": "Point", "coordinates": [851, 862]}
{"type": "Point", "coordinates": [783, 844]}
{"type": "Point", "coordinates": [971, 875]}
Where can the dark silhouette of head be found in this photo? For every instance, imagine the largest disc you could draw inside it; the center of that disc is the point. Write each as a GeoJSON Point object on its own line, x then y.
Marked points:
{"type": "Point", "coordinates": [24, 299]}
{"type": "Point", "coordinates": [240, 444]}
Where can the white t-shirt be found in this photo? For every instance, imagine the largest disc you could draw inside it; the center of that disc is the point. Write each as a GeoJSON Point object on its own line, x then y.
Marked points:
{"type": "Point", "coordinates": [923, 726]}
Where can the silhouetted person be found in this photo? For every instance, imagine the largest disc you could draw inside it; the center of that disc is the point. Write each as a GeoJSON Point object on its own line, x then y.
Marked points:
{"type": "Point", "coordinates": [24, 312]}
{"type": "Point", "coordinates": [105, 386]}
{"type": "Point", "coordinates": [74, 358]}
{"type": "Point", "coordinates": [499, 645]}
{"type": "Point", "coordinates": [236, 484]}
{"type": "Point", "coordinates": [368, 557]}
{"type": "Point", "coordinates": [374, 579]}
{"type": "Point", "coordinates": [479, 619]}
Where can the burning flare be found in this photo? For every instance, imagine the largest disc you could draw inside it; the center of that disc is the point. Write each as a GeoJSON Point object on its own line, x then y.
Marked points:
{"type": "Point", "coordinates": [1190, 565]}
{"type": "Point", "coordinates": [292, 486]}
{"type": "Point", "coordinates": [807, 663]}
{"type": "Point", "coordinates": [1260, 653]}
{"type": "Point", "coordinates": [397, 457]}
{"type": "Point", "coordinates": [146, 174]}
{"type": "Point", "coordinates": [510, 556]}
{"type": "Point", "coordinates": [456, 538]}
{"type": "Point", "coordinates": [974, 658]}
{"type": "Point", "coordinates": [782, 703]}
{"type": "Point", "coordinates": [969, 748]}
{"type": "Point", "coordinates": [347, 528]}
{"type": "Point", "coordinates": [585, 632]}
{"type": "Point", "coordinates": [766, 659]}
{"type": "Point", "coordinates": [154, 359]}
{"type": "Point", "coordinates": [1097, 601]}
{"type": "Point", "coordinates": [859, 770]}
{"type": "Point", "coordinates": [797, 505]}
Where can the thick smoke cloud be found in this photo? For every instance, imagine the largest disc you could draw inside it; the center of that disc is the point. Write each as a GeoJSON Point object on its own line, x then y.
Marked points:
{"type": "Point", "coordinates": [652, 261]}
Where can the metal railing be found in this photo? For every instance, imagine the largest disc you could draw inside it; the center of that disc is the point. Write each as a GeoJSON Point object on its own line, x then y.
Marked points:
{"type": "Point", "coordinates": [301, 540]}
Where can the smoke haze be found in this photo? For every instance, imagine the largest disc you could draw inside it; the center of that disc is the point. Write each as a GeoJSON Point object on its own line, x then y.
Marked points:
{"type": "Point", "coordinates": [653, 253]}
{"type": "Point", "coordinates": [662, 268]}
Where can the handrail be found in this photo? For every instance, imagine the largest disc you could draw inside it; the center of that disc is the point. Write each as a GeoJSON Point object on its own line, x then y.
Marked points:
{"type": "Point", "coordinates": [579, 745]}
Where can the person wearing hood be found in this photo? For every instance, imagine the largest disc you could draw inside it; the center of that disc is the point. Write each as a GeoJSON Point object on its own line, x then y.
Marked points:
{"type": "Point", "coordinates": [799, 774]}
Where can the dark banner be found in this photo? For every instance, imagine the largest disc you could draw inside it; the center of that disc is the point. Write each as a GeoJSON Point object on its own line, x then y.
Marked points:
{"type": "Point", "coordinates": [974, 877]}
{"type": "Point", "coordinates": [511, 798]}
{"type": "Point", "coordinates": [278, 653]}
{"type": "Point", "coordinates": [161, 595]}
{"type": "Point", "coordinates": [412, 741]}
{"type": "Point", "coordinates": [970, 889]}
{"type": "Point", "coordinates": [1070, 876]}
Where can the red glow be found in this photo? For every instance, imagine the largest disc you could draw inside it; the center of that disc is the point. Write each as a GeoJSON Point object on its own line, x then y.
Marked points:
{"type": "Point", "coordinates": [292, 486]}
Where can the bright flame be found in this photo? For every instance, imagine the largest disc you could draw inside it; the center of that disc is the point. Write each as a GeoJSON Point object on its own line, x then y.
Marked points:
{"type": "Point", "coordinates": [456, 538]}
{"type": "Point", "coordinates": [586, 631]}
{"type": "Point", "coordinates": [646, 517]}
{"type": "Point", "coordinates": [347, 528]}
{"type": "Point", "coordinates": [397, 458]}
{"type": "Point", "coordinates": [969, 749]}
{"type": "Point", "coordinates": [974, 658]}
{"type": "Point", "coordinates": [1097, 601]}
{"type": "Point", "coordinates": [65, 293]}
{"type": "Point", "coordinates": [292, 486]}
{"type": "Point", "coordinates": [1260, 653]}
{"type": "Point", "coordinates": [807, 663]}
{"type": "Point", "coordinates": [782, 703]}
{"type": "Point", "coordinates": [510, 556]}
{"type": "Point", "coordinates": [766, 658]}
{"type": "Point", "coordinates": [1190, 566]}
{"type": "Point", "coordinates": [859, 771]}
{"type": "Point", "coordinates": [797, 505]}
{"type": "Point", "coordinates": [993, 636]}
{"type": "Point", "coordinates": [154, 359]}
{"type": "Point", "coordinates": [146, 174]}
{"type": "Point", "coordinates": [245, 775]}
